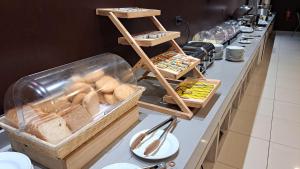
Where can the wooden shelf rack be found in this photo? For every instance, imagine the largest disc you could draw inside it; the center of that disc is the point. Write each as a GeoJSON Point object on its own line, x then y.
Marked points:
{"type": "Point", "coordinates": [145, 62]}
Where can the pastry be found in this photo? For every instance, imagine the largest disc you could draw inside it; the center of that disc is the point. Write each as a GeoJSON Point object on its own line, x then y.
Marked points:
{"type": "Point", "coordinates": [91, 103]}
{"type": "Point", "coordinates": [101, 98]}
{"type": "Point", "coordinates": [110, 99]}
{"type": "Point", "coordinates": [93, 76]}
{"type": "Point", "coordinates": [107, 84]}
{"type": "Point", "coordinates": [78, 98]}
{"type": "Point", "coordinates": [77, 117]}
{"type": "Point", "coordinates": [77, 78]}
{"type": "Point", "coordinates": [76, 88]}
{"type": "Point", "coordinates": [51, 128]}
{"type": "Point", "coordinates": [123, 91]}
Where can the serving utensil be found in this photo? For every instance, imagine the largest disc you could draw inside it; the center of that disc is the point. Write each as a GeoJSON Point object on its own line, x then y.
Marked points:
{"type": "Point", "coordinates": [140, 138]}
{"type": "Point", "coordinates": [154, 146]}
{"type": "Point", "coordinates": [161, 165]}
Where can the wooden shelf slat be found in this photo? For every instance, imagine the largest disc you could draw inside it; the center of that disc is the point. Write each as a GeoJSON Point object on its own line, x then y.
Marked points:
{"type": "Point", "coordinates": [172, 75]}
{"type": "Point", "coordinates": [170, 35]}
{"type": "Point", "coordinates": [197, 103]}
{"type": "Point", "coordinates": [119, 13]}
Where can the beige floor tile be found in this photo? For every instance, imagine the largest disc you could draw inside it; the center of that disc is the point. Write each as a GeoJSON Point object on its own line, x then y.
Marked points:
{"type": "Point", "coordinates": [271, 80]}
{"type": "Point", "coordinates": [283, 157]}
{"type": "Point", "coordinates": [282, 76]}
{"type": "Point", "coordinates": [268, 91]}
{"type": "Point", "coordinates": [265, 107]}
{"type": "Point", "coordinates": [244, 152]}
{"type": "Point", "coordinates": [292, 70]}
{"type": "Point", "coordinates": [251, 124]}
{"type": "Point", "coordinates": [288, 83]}
{"type": "Point", "coordinates": [287, 111]}
{"type": "Point", "coordinates": [288, 73]}
{"type": "Point", "coordinates": [283, 65]}
{"type": "Point", "coordinates": [285, 132]}
{"type": "Point", "coordinates": [290, 95]}
{"type": "Point", "coordinates": [273, 67]}
{"type": "Point", "coordinates": [289, 54]}
{"type": "Point", "coordinates": [249, 103]}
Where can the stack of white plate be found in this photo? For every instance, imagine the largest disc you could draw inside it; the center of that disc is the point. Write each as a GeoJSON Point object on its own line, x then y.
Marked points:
{"type": "Point", "coordinates": [14, 160]}
{"type": "Point", "coordinates": [246, 29]}
{"type": "Point", "coordinates": [218, 55]}
{"type": "Point", "coordinates": [235, 53]}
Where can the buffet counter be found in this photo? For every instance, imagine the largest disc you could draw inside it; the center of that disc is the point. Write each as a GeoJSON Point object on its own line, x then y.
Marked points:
{"type": "Point", "coordinates": [198, 137]}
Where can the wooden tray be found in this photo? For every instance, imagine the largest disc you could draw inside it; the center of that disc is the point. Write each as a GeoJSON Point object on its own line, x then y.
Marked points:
{"type": "Point", "coordinates": [78, 138]}
{"type": "Point", "coordinates": [197, 103]}
{"type": "Point", "coordinates": [122, 14]}
{"type": "Point", "coordinates": [83, 155]}
{"type": "Point", "coordinates": [173, 75]}
{"type": "Point", "coordinates": [170, 35]}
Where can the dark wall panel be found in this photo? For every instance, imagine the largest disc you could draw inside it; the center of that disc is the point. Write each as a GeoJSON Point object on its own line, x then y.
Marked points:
{"type": "Point", "coordinates": [37, 35]}
{"type": "Point", "coordinates": [282, 23]}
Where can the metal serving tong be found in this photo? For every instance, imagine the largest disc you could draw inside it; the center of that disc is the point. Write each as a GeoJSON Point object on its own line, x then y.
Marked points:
{"type": "Point", "coordinates": [140, 138]}
{"type": "Point", "coordinates": [155, 145]}
{"type": "Point", "coordinates": [161, 165]}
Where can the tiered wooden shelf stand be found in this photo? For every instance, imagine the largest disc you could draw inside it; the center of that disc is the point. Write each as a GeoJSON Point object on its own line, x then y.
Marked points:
{"type": "Point", "coordinates": [114, 14]}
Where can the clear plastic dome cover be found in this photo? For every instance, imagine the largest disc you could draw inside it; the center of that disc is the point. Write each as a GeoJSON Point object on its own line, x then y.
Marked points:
{"type": "Point", "coordinates": [73, 94]}
{"type": "Point", "coordinates": [204, 36]}
{"type": "Point", "coordinates": [220, 34]}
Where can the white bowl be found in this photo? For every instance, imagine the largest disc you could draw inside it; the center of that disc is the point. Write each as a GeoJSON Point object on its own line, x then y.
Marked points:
{"type": "Point", "coordinates": [218, 47]}
{"type": "Point", "coordinates": [219, 55]}
{"type": "Point", "coordinates": [235, 51]}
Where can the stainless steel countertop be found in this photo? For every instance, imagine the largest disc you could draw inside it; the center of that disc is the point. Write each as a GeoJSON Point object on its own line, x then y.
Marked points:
{"type": "Point", "coordinates": [193, 135]}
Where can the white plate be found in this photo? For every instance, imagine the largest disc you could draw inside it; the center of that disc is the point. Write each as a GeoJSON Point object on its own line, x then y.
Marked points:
{"type": "Point", "coordinates": [230, 58]}
{"type": "Point", "coordinates": [245, 42]}
{"type": "Point", "coordinates": [259, 29]}
{"type": "Point", "coordinates": [14, 160]}
{"type": "Point", "coordinates": [247, 37]}
{"type": "Point", "coordinates": [235, 48]}
{"type": "Point", "coordinates": [121, 166]}
{"type": "Point", "coordinates": [169, 147]}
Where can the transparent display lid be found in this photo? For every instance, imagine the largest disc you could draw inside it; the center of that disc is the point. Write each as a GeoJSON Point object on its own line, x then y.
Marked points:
{"type": "Point", "coordinates": [204, 36]}
{"type": "Point", "coordinates": [53, 104]}
{"type": "Point", "coordinates": [220, 34]}
{"type": "Point", "coordinates": [230, 28]}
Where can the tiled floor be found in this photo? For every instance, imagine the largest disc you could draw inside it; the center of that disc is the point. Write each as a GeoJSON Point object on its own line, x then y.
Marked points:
{"type": "Point", "coordinates": [265, 131]}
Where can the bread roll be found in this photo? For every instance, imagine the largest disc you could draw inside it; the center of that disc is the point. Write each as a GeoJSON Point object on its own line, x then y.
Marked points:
{"type": "Point", "coordinates": [101, 98]}
{"type": "Point", "coordinates": [78, 98]}
{"type": "Point", "coordinates": [110, 99]}
{"type": "Point", "coordinates": [51, 128]}
{"type": "Point", "coordinates": [107, 84]}
{"type": "Point", "coordinates": [77, 117]}
{"type": "Point", "coordinates": [91, 103]}
{"type": "Point", "coordinates": [123, 91]}
{"type": "Point", "coordinates": [78, 87]}
{"type": "Point", "coordinates": [77, 78]}
{"type": "Point", "coordinates": [93, 76]}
